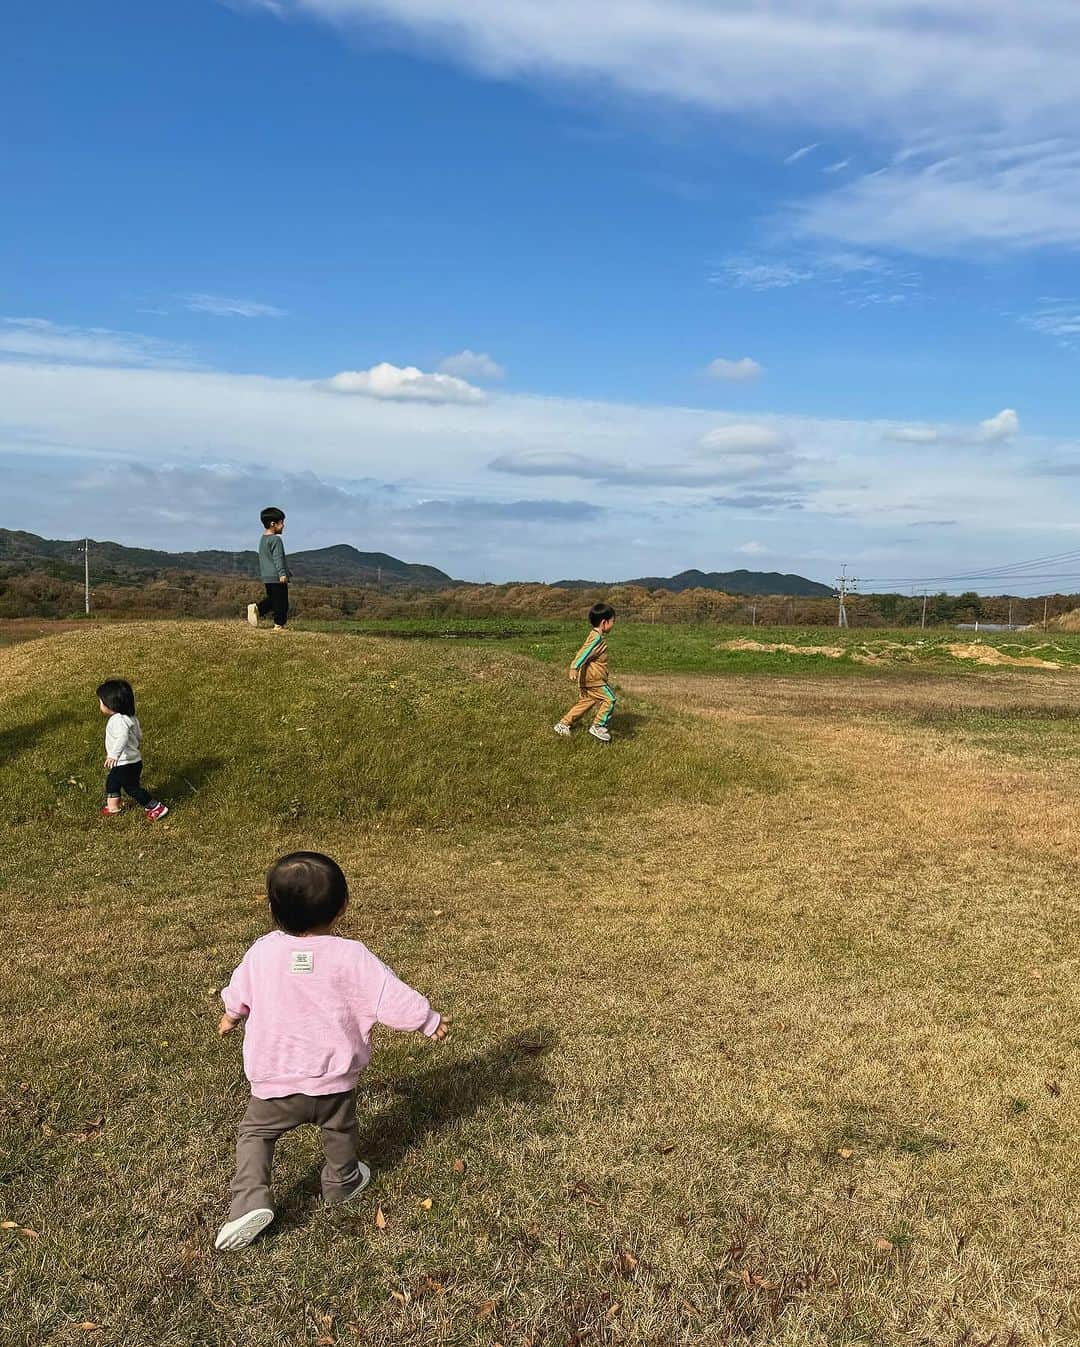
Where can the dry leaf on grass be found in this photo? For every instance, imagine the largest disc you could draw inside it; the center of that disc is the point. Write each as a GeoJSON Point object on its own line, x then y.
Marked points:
{"type": "Point", "coordinates": [845, 1153]}
{"type": "Point", "coordinates": [459, 1166]}
{"type": "Point", "coordinates": [88, 1326]}
{"type": "Point", "coordinates": [626, 1263]}
{"type": "Point", "coordinates": [426, 1204]}
{"type": "Point", "coordinates": [485, 1309]}
{"type": "Point", "coordinates": [883, 1245]}
{"type": "Point", "coordinates": [9, 1225]}
{"type": "Point", "coordinates": [380, 1219]}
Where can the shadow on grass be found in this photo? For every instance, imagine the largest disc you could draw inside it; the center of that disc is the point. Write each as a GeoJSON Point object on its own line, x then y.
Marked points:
{"type": "Point", "coordinates": [20, 738]}
{"type": "Point", "coordinates": [431, 1100]}
{"type": "Point", "coordinates": [187, 780]}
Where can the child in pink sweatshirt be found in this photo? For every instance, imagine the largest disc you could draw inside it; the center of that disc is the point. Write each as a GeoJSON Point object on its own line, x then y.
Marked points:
{"type": "Point", "coordinates": [309, 1000]}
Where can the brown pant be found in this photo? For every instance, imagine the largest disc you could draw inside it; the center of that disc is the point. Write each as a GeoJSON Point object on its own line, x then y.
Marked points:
{"type": "Point", "coordinates": [268, 1119]}
{"type": "Point", "coordinates": [596, 697]}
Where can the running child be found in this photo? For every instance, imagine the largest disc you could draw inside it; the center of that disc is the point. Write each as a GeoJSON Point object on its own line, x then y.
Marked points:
{"type": "Point", "coordinates": [123, 751]}
{"type": "Point", "coordinates": [309, 1000]}
{"type": "Point", "coordinates": [273, 571]}
{"type": "Point", "coordinates": [590, 671]}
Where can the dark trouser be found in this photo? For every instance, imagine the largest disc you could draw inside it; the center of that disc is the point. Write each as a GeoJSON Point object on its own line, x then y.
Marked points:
{"type": "Point", "coordinates": [268, 1119]}
{"type": "Point", "coordinates": [276, 602]}
{"type": "Point", "coordinates": [126, 777]}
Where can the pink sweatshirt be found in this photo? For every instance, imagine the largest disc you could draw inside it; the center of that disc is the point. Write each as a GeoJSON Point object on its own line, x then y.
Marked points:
{"type": "Point", "coordinates": [311, 1002]}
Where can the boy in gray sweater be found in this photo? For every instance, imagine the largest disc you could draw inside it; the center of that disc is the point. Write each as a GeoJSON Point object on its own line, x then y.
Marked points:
{"type": "Point", "coordinates": [273, 571]}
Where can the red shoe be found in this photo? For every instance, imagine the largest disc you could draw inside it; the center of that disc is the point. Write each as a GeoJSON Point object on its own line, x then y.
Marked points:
{"type": "Point", "coordinates": [157, 810]}
{"type": "Point", "coordinates": [106, 812]}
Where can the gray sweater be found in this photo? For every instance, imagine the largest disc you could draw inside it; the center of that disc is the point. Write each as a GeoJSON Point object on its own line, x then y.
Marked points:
{"type": "Point", "coordinates": [272, 563]}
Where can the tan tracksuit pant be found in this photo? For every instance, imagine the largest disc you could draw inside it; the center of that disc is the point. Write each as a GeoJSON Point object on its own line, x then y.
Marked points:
{"type": "Point", "coordinates": [268, 1119]}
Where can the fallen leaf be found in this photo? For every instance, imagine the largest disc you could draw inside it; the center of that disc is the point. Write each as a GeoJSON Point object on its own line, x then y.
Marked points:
{"type": "Point", "coordinates": [380, 1219]}
{"type": "Point", "coordinates": [845, 1153]}
{"type": "Point", "coordinates": [626, 1262]}
{"type": "Point", "coordinates": [88, 1326]}
{"type": "Point", "coordinates": [883, 1245]}
{"type": "Point", "coordinates": [486, 1309]}
{"type": "Point", "coordinates": [400, 1297]}
{"type": "Point", "coordinates": [664, 1147]}
{"type": "Point", "coordinates": [1053, 1087]}
{"type": "Point", "coordinates": [459, 1166]}
{"type": "Point", "coordinates": [326, 1341]}
{"type": "Point", "coordinates": [431, 1284]}
{"type": "Point", "coordinates": [614, 1311]}
{"type": "Point", "coordinates": [438, 912]}
{"type": "Point", "coordinates": [30, 1234]}
{"type": "Point", "coordinates": [426, 1204]}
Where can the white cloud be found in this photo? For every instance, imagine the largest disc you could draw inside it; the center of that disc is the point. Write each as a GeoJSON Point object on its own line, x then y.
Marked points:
{"type": "Point", "coordinates": [40, 339]}
{"type": "Point", "coordinates": [820, 62]}
{"type": "Point", "coordinates": [801, 153]}
{"type": "Point", "coordinates": [941, 199]}
{"type": "Point", "coordinates": [744, 439]}
{"type": "Point", "coordinates": [473, 365]}
{"type": "Point", "coordinates": [994, 430]}
{"type": "Point", "coordinates": [1058, 318]}
{"type": "Point", "coordinates": [223, 307]}
{"type": "Point", "coordinates": [734, 371]}
{"type": "Point", "coordinates": [1001, 427]}
{"type": "Point", "coordinates": [838, 167]}
{"type": "Point", "coordinates": [753, 549]}
{"type": "Point", "coordinates": [392, 383]}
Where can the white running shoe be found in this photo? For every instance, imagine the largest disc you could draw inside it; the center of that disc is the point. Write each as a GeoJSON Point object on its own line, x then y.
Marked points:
{"type": "Point", "coordinates": [598, 732]}
{"type": "Point", "coordinates": [363, 1179]}
{"type": "Point", "coordinates": [238, 1234]}
{"type": "Point", "coordinates": [253, 614]}
{"type": "Point", "coordinates": [562, 729]}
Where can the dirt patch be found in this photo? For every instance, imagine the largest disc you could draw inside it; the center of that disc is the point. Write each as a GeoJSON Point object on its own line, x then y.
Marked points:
{"type": "Point", "coordinates": [988, 654]}
{"type": "Point", "coordinates": [782, 647]}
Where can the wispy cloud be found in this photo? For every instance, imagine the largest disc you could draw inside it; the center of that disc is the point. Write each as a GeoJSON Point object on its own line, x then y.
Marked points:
{"type": "Point", "coordinates": [861, 278]}
{"type": "Point", "coordinates": [1057, 318]}
{"type": "Point", "coordinates": [801, 153]}
{"type": "Point", "coordinates": [994, 430]}
{"type": "Point", "coordinates": [221, 306]}
{"type": "Point", "coordinates": [838, 167]}
{"type": "Point", "coordinates": [41, 339]}
{"type": "Point", "coordinates": [743, 370]}
{"type": "Point", "coordinates": [393, 383]}
{"type": "Point", "coordinates": [473, 365]}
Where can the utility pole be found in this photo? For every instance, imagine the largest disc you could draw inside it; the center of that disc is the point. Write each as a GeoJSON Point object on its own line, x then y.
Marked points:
{"type": "Point", "coordinates": [86, 574]}
{"type": "Point", "coordinates": [1046, 604]}
{"type": "Point", "coordinates": [923, 622]}
{"type": "Point", "coordinates": [753, 614]}
{"type": "Point", "coordinates": [1010, 614]}
{"type": "Point", "coordinates": [845, 584]}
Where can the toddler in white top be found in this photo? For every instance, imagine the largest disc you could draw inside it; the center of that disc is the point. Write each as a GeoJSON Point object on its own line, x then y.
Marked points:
{"type": "Point", "coordinates": [123, 751]}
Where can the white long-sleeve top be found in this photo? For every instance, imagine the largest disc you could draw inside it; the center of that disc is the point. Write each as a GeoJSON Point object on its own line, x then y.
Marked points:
{"type": "Point", "coordinates": [123, 739]}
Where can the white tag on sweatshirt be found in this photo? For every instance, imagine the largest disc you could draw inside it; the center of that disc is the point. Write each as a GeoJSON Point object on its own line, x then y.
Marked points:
{"type": "Point", "coordinates": [303, 961]}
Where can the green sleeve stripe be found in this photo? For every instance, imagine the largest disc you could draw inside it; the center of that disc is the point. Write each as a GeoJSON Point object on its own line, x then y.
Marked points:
{"type": "Point", "coordinates": [587, 650]}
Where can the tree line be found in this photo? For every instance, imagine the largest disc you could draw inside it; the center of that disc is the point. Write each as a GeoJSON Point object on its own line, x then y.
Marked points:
{"type": "Point", "coordinates": [39, 594]}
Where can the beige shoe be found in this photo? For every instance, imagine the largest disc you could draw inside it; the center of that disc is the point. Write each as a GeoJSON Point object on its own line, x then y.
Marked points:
{"type": "Point", "coordinates": [238, 1234]}
{"type": "Point", "coordinates": [253, 614]}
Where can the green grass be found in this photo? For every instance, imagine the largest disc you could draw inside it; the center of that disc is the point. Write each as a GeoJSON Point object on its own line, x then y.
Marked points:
{"type": "Point", "coordinates": [764, 1017]}
{"type": "Point", "coordinates": [642, 647]}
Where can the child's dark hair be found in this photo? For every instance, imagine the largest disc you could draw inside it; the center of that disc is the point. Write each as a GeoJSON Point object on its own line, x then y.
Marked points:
{"type": "Point", "coordinates": [306, 889]}
{"type": "Point", "coordinates": [117, 694]}
{"type": "Point", "coordinates": [600, 612]}
{"type": "Point", "coordinates": [271, 515]}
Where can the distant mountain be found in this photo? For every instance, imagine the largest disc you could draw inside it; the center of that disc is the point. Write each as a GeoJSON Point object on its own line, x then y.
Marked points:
{"type": "Point", "coordinates": [338, 565]}
{"type": "Point", "coordinates": [730, 582]}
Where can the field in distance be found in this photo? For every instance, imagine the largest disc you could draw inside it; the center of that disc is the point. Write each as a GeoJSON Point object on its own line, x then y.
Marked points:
{"type": "Point", "coordinates": [765, 1016]}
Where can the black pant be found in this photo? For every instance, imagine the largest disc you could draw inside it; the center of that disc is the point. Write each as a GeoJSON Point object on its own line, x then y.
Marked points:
{"type": "Point", "coordinates": [276, 602]}
{"type": "Point", "coordinates": [126, 777]}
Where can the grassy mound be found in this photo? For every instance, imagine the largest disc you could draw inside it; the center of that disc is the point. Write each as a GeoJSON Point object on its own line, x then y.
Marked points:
{"type": "Point", "coordinates": [306, 727]}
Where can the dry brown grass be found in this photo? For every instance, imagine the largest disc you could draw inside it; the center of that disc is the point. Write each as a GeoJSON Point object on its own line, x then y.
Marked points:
{"type": "Point", "coordinates": [794, 1066]}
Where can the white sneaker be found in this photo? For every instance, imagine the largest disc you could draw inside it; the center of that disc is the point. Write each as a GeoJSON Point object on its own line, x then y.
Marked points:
{"type": "Point", "coordinates": [598, 732]}
{"type": "Point", "coordinates": [238, 1234]}
{"type": "Point", "coordinates": [253, 614]}
{"type": "Point", "coordinates": [562, 729]}
{"type": "Point", "coordinates": [363, 1179]}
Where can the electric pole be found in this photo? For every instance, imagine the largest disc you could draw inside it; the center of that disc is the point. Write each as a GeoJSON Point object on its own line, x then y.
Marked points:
{"type": "Point", "coordinates": [844, 584]}
{"type": "Point", "coordinates": [86, 575]}
{"type": "Point", "coordinates": [923, 622]}
{"type": "Point", "coordinates": [1046, 604]}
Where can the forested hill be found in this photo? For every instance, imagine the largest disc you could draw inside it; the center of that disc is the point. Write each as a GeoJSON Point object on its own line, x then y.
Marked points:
{"type": "Point", "coordinates": [727, 582]}
{"type": "Point", "coordinates": [337, 565]}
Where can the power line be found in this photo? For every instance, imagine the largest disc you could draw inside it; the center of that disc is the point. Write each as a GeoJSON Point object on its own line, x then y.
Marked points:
{"type": "Point", "coordinates": [987, 572]}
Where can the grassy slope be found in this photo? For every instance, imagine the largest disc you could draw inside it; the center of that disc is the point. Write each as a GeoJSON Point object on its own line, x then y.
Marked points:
{"type": "Point", "coordinates": [765, 1018]}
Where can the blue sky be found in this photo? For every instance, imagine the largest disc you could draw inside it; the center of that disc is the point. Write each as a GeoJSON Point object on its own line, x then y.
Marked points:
{"type": "Point", "coordinates": [523, 291]}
